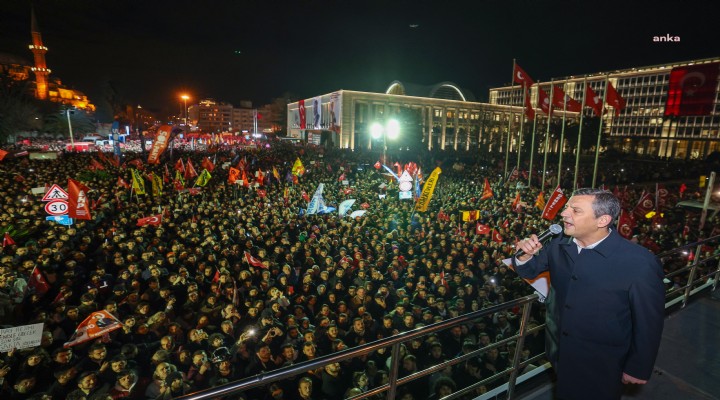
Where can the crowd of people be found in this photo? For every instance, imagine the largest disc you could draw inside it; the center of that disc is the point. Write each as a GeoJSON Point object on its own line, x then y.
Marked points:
{"type": "Point", "coordinates": [197, 311]}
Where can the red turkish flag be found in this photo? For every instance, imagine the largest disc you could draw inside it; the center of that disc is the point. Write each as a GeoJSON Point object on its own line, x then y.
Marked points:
{"type": "Point", "coordinates": [3, 153]}
{"type": "Point", "coordinates": [262, 192]}
{"type": "Point", "coordinates": [305, 195]}
{"type": "Point", "coordinates": [253, 261]}
{"type": "Point", "coordinates": [38, 282]}
{"type": "Point", "coordinates": [377, 165]}
{"type": "Point", "coordinates": [691, 90]}
{"type": "Point", "coordinates": [496, 237]}
{"type": "Point", "coordinates": [123, 183]}
{"type": "Point", "coordinates": [521, 77]}
{"type": "Point", "coordinates": [554, 204]}
{"type": "Point", "coordinates": [153, 220]}
{"type": "Point", "coordinates": [78, 204]}
{"type": "Point", "coordinates": [543, 101]}
{"type": "Point", "coordinates": [301, 110]}
{"type": "Point", "coordinates": [7, 240]}
{"type": "Point", "coordinates": [260, 177]}
{"type": "Point", "coordinates": [516, 202]}
{"type": "Point", "coordinates": [245, 179]}
{"type": "Point", "coordinates": [365, 206]}
{"type": "Point", "coordinates": [180, 166]}
{"type": "Point", "coordinates": [481, 229]}
{"type": "Point", "coordinates": [614, 99]}
{"type": "Point", "coordinates": [593, 101]}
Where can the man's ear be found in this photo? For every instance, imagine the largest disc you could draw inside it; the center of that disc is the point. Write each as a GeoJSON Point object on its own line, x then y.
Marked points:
{"type": "Point", "coordinates": [604, 221]}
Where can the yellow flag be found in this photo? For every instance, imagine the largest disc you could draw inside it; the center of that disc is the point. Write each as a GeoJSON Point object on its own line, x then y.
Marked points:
{"type": "Point", "coordinates": [298, 168]}
{"type": "Point", "coordinates": [703, 178]}
{"type": "Point", "coordinates": [203, 179]}
{"type": "Point", "coordinates": [157, 185]}
{"type": "Point", "coordinates": [138, 182]}
{"type": "Point", "coordinates": [428, 189]}
{"type": "Point", "coordinates": [540, 202]}
{"type": "Point", "coordinates": [276, 174]}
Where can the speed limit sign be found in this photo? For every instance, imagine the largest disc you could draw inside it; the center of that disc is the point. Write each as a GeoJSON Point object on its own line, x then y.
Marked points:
{"type": "Point", "coordinates": [57, 207]}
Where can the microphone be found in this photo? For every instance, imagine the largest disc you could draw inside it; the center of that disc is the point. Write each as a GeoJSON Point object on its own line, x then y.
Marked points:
{"type": "Point", "coordinates": [553, 230]}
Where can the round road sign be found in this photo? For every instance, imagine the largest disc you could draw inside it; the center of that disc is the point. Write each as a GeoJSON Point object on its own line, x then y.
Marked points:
{"type": "Point", "coordinates": [57, 207]}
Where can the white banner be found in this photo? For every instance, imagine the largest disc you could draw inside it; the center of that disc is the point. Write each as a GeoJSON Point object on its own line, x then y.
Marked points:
{"type": "Point", "coordinates": [20, 337]}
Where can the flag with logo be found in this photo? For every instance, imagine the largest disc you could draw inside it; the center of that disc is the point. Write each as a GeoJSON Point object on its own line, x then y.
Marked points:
{"type": "Point", "coordinates": [276, 174]}
{"type": "Point", "coordinates": [345, 206]}
{"type": "Point", "coordinates": [96, 165]}
{"type": "Point", "coordinates": [298, 169]}
{"type": "Point", "coordinates": [233, 175]}
{"type": "Point", "coordinates": [138, 183]}
{"type": "Point", "coordinates": [661, 194]}
{"type": "Point", "coordinates": [487, 191]}
{"type": "Point", "coordinates": [554, 204]}
{"type": "Point", "coordinates": [540, 201]}
{"type": "Point", "coordinates": [162, 138]}
{"type": "Point", "coordinates": [180, 166]}
{"type": "Point", "coordinates": [122, 183]}
{"type": "Point", "coordinates": [472, 215]}
{"type": "Point", "coordinates": [644, 205]}
{"type": "Point", "coordinates": [428, 189]}
{"type": "Point", "coordinates": [203, 179]}
{"type": "Point", "coordinates": [157, 184]}
{"type": "Point", "coordinates": [564, 101]}
{"type": "Point", "coordinates": [626, 224]}
{"type": "Point", "coordinates": [593, 100]}
{"type": "Point", "coordinates": [78, 204]}
{"type": "Point", "coordinates": [613, 98]}
{"type": "Point", "coordinates": [190, 170]}
{"type": "Point", "coordinates": [516, 202]}
{"type": "Point", "coordinates": [207, 164]}
{"type": "Point", "coordinates": [98, 324]}
{"type": "Point", "coordinates": [178, 182]}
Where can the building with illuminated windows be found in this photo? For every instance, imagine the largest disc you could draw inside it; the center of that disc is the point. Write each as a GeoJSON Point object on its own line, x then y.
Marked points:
{"type": "Point", "coordinates": [445, 116]}
{"type": "Point", "coordinates": [210, 116]}
{"type": "Point", "coordinates": [442, 116]}
{"type": "Point", "coordinates": [664, 114]}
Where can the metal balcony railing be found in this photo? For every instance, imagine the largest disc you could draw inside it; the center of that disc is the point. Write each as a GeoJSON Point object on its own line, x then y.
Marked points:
{"type": "Point", "coordinates": [695, 273]}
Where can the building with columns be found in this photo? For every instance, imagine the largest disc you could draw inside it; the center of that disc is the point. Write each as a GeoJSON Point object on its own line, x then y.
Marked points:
{"type": "Point", "coordinates": [647, 125]}
{"type": "Point", "coordinates": [441, 116]}
{"type": "Point", "coordinates": [445, 116]}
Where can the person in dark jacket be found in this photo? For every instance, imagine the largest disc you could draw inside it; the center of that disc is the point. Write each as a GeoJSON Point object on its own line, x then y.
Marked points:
{"type": "Point", "coordinates": [606, 302]}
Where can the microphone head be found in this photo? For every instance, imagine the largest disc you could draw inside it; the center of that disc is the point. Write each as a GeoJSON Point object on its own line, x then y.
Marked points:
{"type": "Point", "coordinates": [555, 229]}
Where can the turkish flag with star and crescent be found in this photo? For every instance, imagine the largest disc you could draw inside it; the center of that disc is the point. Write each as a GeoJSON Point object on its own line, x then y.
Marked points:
{"type": "Point", "coordinates": [154, 220]}
{"type": "Point", "coordinates": [521, 77]}
{"type": "Point", "coordinates": [691, 90]}
{"type": "Point", "coordinates": [543, 101]}
{"type": "Point", "coordinates": [614, 99]}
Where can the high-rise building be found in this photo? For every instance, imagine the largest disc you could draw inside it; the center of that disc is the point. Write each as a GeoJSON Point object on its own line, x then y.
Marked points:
{"type": "Point", "coordinates": [671, 110]}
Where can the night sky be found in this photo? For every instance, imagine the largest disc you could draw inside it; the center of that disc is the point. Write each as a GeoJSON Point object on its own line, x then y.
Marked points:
{"type": "Point", "coordinates": [152, 50]}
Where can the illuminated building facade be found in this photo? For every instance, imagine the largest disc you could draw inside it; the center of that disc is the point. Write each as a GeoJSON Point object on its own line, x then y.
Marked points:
{"type": "Point", "coordinates": [644, 127]}
{"type": "Point", "coordinates": [441, 116]}
{"type": "Point", "coordinates": [211, 116]}
{"type": "Point", "coordinates": [44, 87]}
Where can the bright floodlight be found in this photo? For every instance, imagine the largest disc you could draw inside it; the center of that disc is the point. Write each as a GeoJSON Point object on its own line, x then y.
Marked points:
{"type": "Point", "coordinates": [393, 129]}
{"type": "Point", "coordinates": [376, 130]}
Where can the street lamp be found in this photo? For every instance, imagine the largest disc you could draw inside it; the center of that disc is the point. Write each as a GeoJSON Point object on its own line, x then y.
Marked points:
{"type": "Point", "coordinates": [185, 99]}
{"type": "Point", "coordinates": [137, 118]}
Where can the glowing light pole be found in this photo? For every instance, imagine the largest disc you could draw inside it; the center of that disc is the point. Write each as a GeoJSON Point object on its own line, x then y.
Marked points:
{"type": "Point", "coordinates": [185, 98]}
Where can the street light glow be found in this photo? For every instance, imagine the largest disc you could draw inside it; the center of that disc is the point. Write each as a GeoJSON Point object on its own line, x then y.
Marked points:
{"type": "Point", "coordinates": [376, 130]}
{"type": "Point", "coordinates": [393, 129]}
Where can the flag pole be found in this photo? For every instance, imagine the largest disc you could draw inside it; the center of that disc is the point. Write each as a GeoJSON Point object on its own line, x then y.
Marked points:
{"type": "Point", "coordinates": [532, 151]}
{"type": "Point", "coordinates": [562, 137]}
{"type": "Point", "coordinates": [597, 146]}
{"type": "Point", "coordinates": [547, 135]}
{"type": "Point", "coordinates": [522, 120]}
{"type": "Point", "coordinates": [578, 147]}
{"type": "Point", "coordinates": [507, 144]}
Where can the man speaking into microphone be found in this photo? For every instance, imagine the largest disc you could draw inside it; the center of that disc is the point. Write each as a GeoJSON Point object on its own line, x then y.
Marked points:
{"type": "Point", "coordinates": [606, 303]}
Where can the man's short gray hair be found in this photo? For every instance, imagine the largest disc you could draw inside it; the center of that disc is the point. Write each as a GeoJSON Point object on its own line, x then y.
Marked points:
{"type": "Point", "coordinates": [605, 202]}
